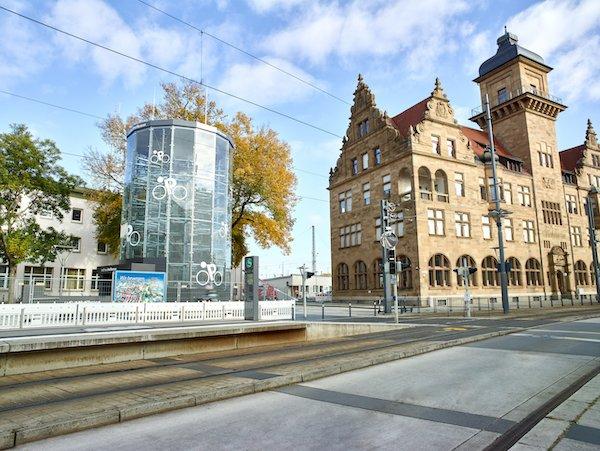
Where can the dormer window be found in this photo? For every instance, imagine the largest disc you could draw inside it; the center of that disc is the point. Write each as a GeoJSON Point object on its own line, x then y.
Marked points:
{"type": "Point", "coordinates": [363, 128]}
{"type": "Point", "coordinates": [502, 95]}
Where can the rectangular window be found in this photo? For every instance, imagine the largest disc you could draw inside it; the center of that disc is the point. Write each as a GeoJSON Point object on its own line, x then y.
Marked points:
{"type": "Point", "coordinates": [435, 221]}
{"type": "Point", "coordinates": [387, 185]}
{"type": "Point", "coordinates": [46, 214]}
{"type": "Point", "coordinates": [502, 95]}
{"type": "Point", "coordinates": [528, 232]}
{"type": "Point", "coordinates": [545, 159]}
{"type": "Point", "coordinates": [459, 184]}
{"type": "Point", "coordinates": [354, 166]}
{"type": "Point", "coordinates": [571, 203]}
{"type": "Point", "coordinates": [486, 227]}
{"type": "Point", "coordinates": [377, 229]}
{"type": "Point", "coordinates": [377, 154]}
{"type": "Point", "coordinates": [435, 144]}
{"type": "Point", "coordinates": [576, 239]}
{"type": "Point", "coordinates": [524, 195]}
{"type": "Point", "coordinates": [345, 201]}
{"type": "Point", "coordinates": [462, 224]}
{"type": "Point", "coordinates": [507, 192]}
{"type": "Point", "coordinates": [4, 276]}
{"type": "Point", "coordinates": [400, 224]}
{"type": "Point", "coordinates": [76, 215]}
{"type": "Point", "coordinates": [73, 279]}
{"type": "Point", "coordinates": [596, 160]}
{"type": "Point", "coordinates": [39, 274]}
{"type": "Point", "coordinates": [594, 180]}
{"type": "Point", "coordinates": [367, 193]}
{"type": "Point", "coordinates": [492, 191]}
{"type": "Point", "coordinates": [507, 228]}
{"type": "Point", "coordinates": [75, 244]}
{"type": "Point", "coordinates": [102, 248]}
{"type": "Point", "coordinates": [483, 193]}
{"type": "Point", "coordinates": [94, 285]}
{"type": "Point", "coordinates": [551, 213]}
{"type": "Point", "coordinates": [365, 161]}
{"type": "Point", "coordinates": [451, 148]}
{"type": "Point", "coordinates": [363, 128]}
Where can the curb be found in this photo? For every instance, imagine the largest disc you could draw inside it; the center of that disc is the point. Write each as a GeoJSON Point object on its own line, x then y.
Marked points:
{"type": "Point", "coordinates": [9, 439]}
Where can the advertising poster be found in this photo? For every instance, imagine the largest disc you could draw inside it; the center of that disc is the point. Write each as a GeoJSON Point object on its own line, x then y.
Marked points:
{"type": "Point", "coordinates": [139, 286]}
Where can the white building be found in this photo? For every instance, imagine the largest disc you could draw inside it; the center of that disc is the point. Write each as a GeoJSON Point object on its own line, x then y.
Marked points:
{"type": "Point", "coordinates": [73, 273]}
{"type": "Point", "coordinates": [290, 286]}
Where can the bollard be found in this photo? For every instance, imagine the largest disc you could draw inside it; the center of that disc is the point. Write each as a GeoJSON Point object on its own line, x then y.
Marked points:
{"type": "Point", "coordinates": [374, 308]}
{"type": "Point", "coordinates": [529, 301]}
{"type": "Point", "coordinates": [323, 311]}
{"type": "Point", "coordinates": [562, 302]}
{"type": "Point", "coordinates": [349, 310]}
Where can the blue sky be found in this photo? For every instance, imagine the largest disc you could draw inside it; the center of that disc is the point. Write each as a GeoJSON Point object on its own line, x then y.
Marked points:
{"type": "Point", "coordinates": [398, 46]}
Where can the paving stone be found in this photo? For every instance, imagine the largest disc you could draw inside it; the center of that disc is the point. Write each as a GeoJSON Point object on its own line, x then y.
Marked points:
{"type": "Point", "coordinates": [545, 433]}
{"type": "Point", "coordinates": [569, 410]}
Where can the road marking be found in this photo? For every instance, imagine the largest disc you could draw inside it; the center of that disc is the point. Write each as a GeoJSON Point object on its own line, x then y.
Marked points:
{"type": "Point", "coordinates": [565, 331]}
{"type": "Point", "coordinates": [556, 337]}
{"type": "Point", "coordinates": [454, 328]}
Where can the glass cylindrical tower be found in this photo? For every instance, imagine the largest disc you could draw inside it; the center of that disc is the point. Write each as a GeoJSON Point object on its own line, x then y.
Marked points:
{"type": "Point", "coordinates": [176, 205]}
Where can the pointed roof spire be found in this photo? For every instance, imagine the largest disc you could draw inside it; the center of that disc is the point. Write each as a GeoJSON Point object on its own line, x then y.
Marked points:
{"type": "Point", "coordinates": [360, 78]}
{"type": "Point", "coordinates": [438, 91]}
{"type": "Point", "coordinates": [590, 134]}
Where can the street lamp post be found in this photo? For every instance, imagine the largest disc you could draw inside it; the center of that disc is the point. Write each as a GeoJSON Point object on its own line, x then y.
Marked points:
{"type": "Point", "coordinates": [591, 206]}
{"type": "Point", "coordinates": [497, 213]}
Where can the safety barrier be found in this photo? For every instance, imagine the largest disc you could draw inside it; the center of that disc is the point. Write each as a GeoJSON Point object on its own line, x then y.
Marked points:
{"type": "Point", "coordinates": [21, 316]}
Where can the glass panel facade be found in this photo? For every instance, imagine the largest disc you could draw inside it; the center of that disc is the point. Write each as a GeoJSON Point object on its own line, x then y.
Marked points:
{"type": "Point", "coordinates": [176, 203]}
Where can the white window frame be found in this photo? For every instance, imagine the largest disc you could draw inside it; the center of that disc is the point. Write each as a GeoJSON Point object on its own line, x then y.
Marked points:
{"type": "Point", "coordinates": [367, 193]}
{"type": "Point", "coordinates": [528, 231]}
{"type": "Point", "coordinates": [486, 227]}
{"type": "Point", "coordinates": [459, 184]}
{"type": "Point", "coordinates": [80, 216]}
{"type": "Point", "coordinates": [435, 222]}
{"type": "Point", "coordinates": [507, 227]}
{"type": "Point", "coordinates": [365, 161]}
{"type": "Point", "coordinates": [462, 224]}
{"type": "Point", "coordinates": [78, 279]}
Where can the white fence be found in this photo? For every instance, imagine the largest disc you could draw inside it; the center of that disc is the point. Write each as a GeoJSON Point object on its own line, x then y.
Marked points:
{"type": "Point", "coordinates": [22, 316]}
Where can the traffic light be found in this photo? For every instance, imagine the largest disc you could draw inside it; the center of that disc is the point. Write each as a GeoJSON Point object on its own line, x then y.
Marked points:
{"type": "Point", "coordinates": [309, 274]}
{"type": "Point", "coordinates": [391, 256]}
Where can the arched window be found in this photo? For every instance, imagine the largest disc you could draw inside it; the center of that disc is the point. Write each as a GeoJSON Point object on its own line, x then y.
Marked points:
{"type": "Point", "coordinates": [405, 184]}
{"type": "Point", "coordinates": [439, 271]}
{"type": "Point", "coordinates": [514, 275]}
{"type": "Point", "coordinates": [489, 272]}
{"type": "Point", "coordinates": [360, 275]}
{"type": "Point", "coordinates": [342, 277]}
{"type": "Point", "coordinates": [405, 273]}
{"type": "Point", "coordinates": [378, 273]}
{"type": "Point", "coordinates": [466, 260]}
{"type": "Point", "coordinates": [592, 274]}
{"type": "Point", "coordinates": [533, 272]}
{"type": "Point", "coordinates": [424, 183]}
{"type": "Point", "coordinates": [581, 275]}
{"type": "Point", "coordinates": [441, 186]}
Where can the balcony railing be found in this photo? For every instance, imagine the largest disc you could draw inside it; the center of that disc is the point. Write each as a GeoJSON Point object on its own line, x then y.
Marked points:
{"type": "Point", "coordinates": [509, 95]}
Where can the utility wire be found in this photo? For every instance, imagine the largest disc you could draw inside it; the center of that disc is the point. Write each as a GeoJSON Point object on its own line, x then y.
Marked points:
{"type": "Point", "coordinates": [168, 71]}
{"type": "Point", "coordinates": [72, 110]}
{"type": "Point", "coordinates": [245, 52]}
{"type": "Point", "coordinates": [50, 104]}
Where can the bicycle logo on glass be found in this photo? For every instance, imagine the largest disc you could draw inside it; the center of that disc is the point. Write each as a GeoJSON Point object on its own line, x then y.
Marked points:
{"type": "Point", "coordinates": [132, 237]}
{"type": "Point", "coordinates": [209, 274]}
{"type": "Point", "coordinates": [158, 156]}
{"type": "Point", "coordinates": [167, 186]}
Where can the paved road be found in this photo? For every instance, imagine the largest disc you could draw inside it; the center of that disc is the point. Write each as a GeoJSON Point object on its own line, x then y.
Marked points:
{"type": "Point", "coordinates": [457, 398]}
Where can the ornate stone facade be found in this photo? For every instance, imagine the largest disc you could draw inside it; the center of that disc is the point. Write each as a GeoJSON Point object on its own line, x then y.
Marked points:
{"type": "Point", "coordinates": [434, 170]}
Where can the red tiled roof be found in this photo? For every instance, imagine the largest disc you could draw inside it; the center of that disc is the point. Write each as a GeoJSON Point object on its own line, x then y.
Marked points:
{"type": "Point", "coordinates": [411, 116]}
{"type": "Point", "coordinates": [479, 140]}
{"type": "Point", "coordinates": [569, 158]}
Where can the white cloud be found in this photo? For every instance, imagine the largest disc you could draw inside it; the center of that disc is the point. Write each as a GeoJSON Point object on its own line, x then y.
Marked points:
{"type": "Point", "coordinates": [263, 6]}
{"type": "Point", "coordinates": [566, 33]}
{"type": "Point", "coordinates": [266, 85]}
{"type": "Point", "coordinates": [420, 29]}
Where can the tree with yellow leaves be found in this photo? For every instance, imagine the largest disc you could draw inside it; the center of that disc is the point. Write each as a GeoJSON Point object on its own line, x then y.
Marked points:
{"type": "Point", "coordinates": [263, 182]}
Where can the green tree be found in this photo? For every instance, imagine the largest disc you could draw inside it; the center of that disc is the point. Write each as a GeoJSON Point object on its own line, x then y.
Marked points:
{"type": "Point", "coordinates": [263, 180]}
{"type": "Point", "coordinates": [31, 181]}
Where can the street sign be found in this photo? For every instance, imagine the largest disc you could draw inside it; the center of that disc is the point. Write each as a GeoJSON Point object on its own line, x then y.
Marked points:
{"type": "Point", "coordinates": [388, 240]}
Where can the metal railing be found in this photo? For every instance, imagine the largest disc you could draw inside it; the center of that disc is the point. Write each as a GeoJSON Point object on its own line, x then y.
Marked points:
{"type": "Point", "coordinates": [509, 95]}
{"type": "Point", "coordinates": [65, 314]}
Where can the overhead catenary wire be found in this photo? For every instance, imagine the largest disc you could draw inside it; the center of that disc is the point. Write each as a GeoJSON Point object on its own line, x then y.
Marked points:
{"type": "Point", "coordinates": [245, 52]}
{"type": "Point", "coordinates": [170, 72]}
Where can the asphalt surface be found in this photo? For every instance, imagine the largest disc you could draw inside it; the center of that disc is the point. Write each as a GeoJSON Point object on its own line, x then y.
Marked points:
{"type": "Point", "coordinates": [457, 398]}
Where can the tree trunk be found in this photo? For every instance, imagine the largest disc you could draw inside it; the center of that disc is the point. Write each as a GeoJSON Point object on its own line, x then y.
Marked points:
{"type": "Point", "coordinates": [12, 279]}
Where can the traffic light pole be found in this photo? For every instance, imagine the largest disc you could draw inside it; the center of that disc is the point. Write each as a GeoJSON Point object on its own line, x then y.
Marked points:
{"type": "Point", "coordinates": [465, 282]}
{"type": "Point", "coordinates": [593, 243]}
{"type": "Point", "coordinates": [303, 274]}
{"type": "Point", "coordinates": [498, 211]}
{"type": "Point", "coordinates": [384, 259]}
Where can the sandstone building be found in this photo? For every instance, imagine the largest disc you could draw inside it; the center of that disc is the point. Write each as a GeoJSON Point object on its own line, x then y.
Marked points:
{"type": "Point", "coordinates": [435, 171]}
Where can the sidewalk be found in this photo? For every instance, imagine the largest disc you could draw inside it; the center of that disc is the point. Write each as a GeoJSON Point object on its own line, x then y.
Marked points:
{"type": "Point", "coordinates": [574, 425]}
